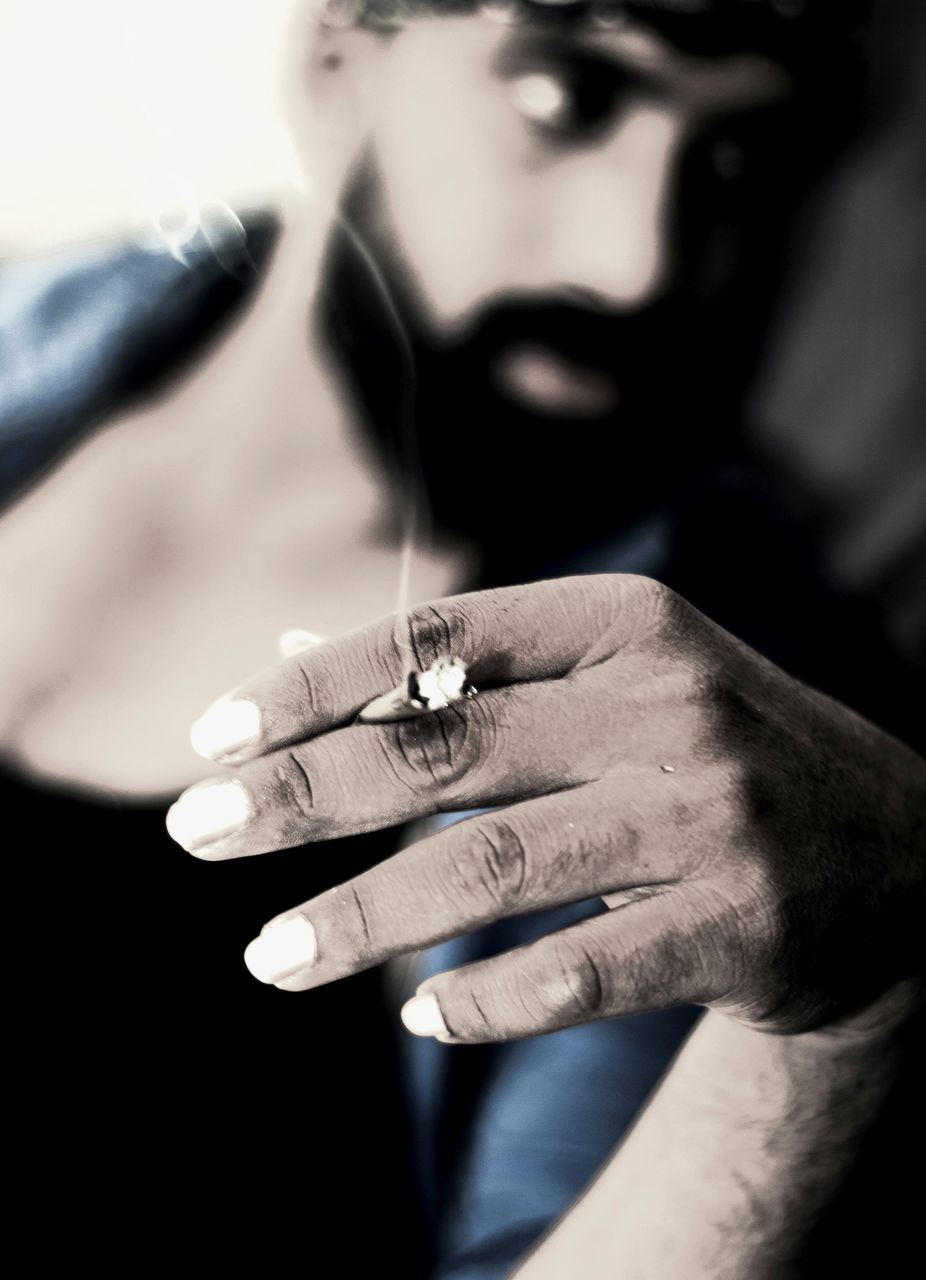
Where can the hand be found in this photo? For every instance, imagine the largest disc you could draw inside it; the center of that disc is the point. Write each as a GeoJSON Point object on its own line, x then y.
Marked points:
{"type": "Point", "coordinates": [764, 845]}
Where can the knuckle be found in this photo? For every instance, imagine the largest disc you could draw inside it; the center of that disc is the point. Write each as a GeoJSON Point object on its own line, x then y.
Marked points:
{"type": "Point", "coordinates": [356, 916]}
{"type": "Point", "coordinates": [740, 711]}
{"type": "Point", "coordinates": [436, 751]}
{"type": "Point", "coordinates": [726, 718]}
{"type": "Point", "coordinates": [692, 956]}
{"type": "Point", "coordinates": [731, 798]}
{"type": "Point", "coordinates": [752, 799]}
{"type": "Point", "coordinates": [576, 986]}
{"type": "Point", "coordinates": [294, 791]}
{"type": "Point", "coordinates": [658, 604]}
{"type": "Point", "coordinates": [438, 630]}
{"type": "Point", "coordinates": [711, 689]}
{"type": "Point", "coordinates": [732, 932]}
{"type": "Point", "coordinates": [584, 985]}
{"type": "Point", "coordinates": [309, 694]}
{"type": "Point", "coordinates": [474, 1013]}
{"type": "Point", "coordinates": [648, 615]}
{"type": "Point", "coordinates": [757, 966]}
{"type": "Point", "coordinates": [494, 867]}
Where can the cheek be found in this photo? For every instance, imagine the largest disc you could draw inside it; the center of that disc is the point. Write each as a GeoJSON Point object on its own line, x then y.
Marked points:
{"type": "Point", "coordinates": [448, 150]}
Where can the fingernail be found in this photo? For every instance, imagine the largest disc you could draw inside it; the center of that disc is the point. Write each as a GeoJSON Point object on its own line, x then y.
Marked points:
{"type": "Point", "coordinates": [228, 726]}
{"type": "Point", "coordinates": [207, 812]}
{"type": "Point", "coordinates": [281, 950]}
{"type": "Point", "coordinates": [422, 1016]}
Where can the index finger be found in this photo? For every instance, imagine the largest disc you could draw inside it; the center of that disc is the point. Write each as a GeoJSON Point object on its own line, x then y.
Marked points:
{"type": "Point", "coordinates": [535, 632]}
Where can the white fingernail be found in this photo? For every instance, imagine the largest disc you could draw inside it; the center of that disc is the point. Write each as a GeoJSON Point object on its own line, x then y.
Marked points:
{"type": "Point", "coordinates": [228, 726]}
{"type": "Point", "coordinates": [207, 812]}
{"type": "Point", "coordinates": [422, 1016]}
{"type": "Point", "coordinates": [296, 641]}
{"type": "Point", "coordinates": [282, 949]}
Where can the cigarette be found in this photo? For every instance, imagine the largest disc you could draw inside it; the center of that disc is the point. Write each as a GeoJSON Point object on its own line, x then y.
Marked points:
{"type": "Point", "coordinates": [422, 692]}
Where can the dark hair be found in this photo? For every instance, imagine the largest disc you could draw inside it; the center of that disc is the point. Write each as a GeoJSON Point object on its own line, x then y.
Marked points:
{"type": "Point", "coordinates": [773, 25]}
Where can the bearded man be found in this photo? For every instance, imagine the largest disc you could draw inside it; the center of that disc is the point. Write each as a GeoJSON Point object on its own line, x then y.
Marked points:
{"type": "Point", "coordinates": [553, 236]}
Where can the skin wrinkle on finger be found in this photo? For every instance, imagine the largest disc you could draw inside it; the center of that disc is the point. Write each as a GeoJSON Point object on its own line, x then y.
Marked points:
{"type": "Point", "coordinates": [307, 688]}
{"type": "Point", "coordinates": [583, 979]}
{"type": "Point", "coordinates": [293, 774]}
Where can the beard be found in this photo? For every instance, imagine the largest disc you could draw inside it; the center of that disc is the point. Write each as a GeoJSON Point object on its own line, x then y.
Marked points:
{"type": "Point", "coordinates": [526, 490]}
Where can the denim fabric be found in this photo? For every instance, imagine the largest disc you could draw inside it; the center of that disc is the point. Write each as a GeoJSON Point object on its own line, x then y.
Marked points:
{"type": "Point", "coordinates": [545, 1116]}
{"type": "Point", "coordinates": [506, 1141]}
{"type": "Point", "coordinates": [82, 333]}
{"type": "Point", "coordinates": [553, 1110]}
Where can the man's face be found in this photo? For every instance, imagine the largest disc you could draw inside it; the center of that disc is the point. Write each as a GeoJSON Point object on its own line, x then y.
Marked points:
{"type": "Point", "coordinates": [536, 162]}
{"type": "Point", "coordinates": [559, 211]}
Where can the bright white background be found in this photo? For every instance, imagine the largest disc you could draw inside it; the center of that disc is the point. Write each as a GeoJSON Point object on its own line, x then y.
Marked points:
{"type": "Point", "coordinates": [112, 111]}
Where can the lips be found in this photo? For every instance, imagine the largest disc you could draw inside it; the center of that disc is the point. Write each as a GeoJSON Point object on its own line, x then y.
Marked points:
{"type": "Point", "coordinates": [547, 383]}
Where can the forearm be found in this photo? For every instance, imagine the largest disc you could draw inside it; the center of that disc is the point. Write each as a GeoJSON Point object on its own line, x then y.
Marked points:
{"type": "Point", "coordinates": [744, 1145]}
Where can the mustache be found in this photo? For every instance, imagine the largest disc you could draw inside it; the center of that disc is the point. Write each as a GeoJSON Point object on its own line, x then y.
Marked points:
{"type": "Point", "coordinates": [609, 343]}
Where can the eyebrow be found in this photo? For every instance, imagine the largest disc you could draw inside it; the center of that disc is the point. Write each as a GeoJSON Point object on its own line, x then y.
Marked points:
{"type": "Point", "coordinates": [727, 83]}
{"type": "Point", "coordinates": [706, 31]}
{"type": "Point", "coordinates": [704, 28]}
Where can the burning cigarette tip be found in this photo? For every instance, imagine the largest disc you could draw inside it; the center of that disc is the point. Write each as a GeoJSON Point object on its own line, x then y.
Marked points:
{"type": "Point", "coordinates": [444, 682]}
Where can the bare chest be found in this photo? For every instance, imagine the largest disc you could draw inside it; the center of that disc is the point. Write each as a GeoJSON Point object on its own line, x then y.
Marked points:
{"type": "Point", "coordinates": [139, 583]}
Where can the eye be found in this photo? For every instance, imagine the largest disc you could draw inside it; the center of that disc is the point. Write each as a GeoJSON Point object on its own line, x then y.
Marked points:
{"type": "Point", "coordinates": [570, 102]}
{"type": "Point", "coordinates": [541, 98]}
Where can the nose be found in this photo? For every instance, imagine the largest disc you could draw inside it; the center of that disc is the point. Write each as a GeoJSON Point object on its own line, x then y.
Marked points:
{"type": "Point", "coordinates": [605, 219]}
